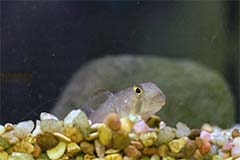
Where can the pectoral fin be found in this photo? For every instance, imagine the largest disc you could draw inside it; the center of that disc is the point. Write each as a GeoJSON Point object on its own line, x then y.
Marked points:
{"type": "Point", "coordinates": [98, 97]}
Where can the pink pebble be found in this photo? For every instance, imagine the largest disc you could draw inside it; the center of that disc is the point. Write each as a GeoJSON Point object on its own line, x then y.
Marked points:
{"type": "Point", "coordinates": [205, 136]}
{"type": "Point", "coordinates": [140, 127]}
{"type": "Point", "coordinates": [235, 151]}
{"type": "Point", "coordinates": [227, 147]}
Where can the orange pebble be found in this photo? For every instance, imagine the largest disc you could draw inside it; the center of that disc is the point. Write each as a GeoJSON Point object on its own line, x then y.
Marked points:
{"type": "Point", "coordinates": [37, 151]}
{"type": "Point", "coordinates": [205, 148]}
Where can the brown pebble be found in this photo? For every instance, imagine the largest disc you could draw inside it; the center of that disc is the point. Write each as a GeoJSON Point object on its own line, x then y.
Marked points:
{"type": "Point", "coordinates": [113, 121]}
{"type": "Point", "coordinates": [199, 142]}
{"type": "Point", "coordinates": [190, 148]}
{"type": "Point", "coordinates": [194, 133]}
{"type": "Point", "coordinates": [87, 148]}
{"type": "Point", "coordinates": [197, 155]}
{"type": "Point", "coordinates": [137, 144]}
{"type": "Point", "coordinates": [46, 141]}
{"type": "Point", "coordinates": [150, 151]}
{"type": "Point", "coordinates": [132, 151]}
{"type": "Point", "coordinates": [1, 148]}
{"type": "Point", "coordinates": [235, 133]}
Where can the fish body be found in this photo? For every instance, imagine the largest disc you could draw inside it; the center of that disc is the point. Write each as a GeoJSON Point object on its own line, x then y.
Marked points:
{"type": "Point", "coordinates": [144, 99]}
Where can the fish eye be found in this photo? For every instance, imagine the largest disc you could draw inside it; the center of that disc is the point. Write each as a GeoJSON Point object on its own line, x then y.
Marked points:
{"type": "Point", "coordinates": [138, 90]}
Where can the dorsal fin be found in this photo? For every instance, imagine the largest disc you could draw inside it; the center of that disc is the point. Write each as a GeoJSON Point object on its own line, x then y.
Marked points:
{"type": "Point", "coordinates": [98, 97]}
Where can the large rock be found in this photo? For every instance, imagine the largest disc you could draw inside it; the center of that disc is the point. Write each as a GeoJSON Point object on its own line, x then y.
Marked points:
{"type": "Point", "coordinates": [195, 94]}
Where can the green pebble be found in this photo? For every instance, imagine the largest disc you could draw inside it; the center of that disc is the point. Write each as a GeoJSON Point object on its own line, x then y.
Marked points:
{"type": "Point", "coordinates": [120, 139]}
{"type": "Point", "coordinates": [145, 158]}
{"type": "Point", "coordinates": [216, 157]}
{"type": "Point", "coordinates": [43, 156]}
{"type": "Point", "coordinates": [4, 143]}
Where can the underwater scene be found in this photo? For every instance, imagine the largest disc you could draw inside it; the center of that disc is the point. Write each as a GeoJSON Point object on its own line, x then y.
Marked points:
{"type": "Point", "coordinates": [119, 80]}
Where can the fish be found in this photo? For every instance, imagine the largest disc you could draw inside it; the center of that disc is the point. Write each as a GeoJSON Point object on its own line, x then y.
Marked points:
{"type": "Point", "coordinates": [144, 99]}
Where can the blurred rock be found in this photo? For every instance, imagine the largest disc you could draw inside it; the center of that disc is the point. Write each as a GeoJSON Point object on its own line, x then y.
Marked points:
{"type": "Point", "coordinates": [195, 94]}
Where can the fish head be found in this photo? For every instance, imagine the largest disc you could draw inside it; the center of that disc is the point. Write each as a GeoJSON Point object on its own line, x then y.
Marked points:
{"type": "Point", "coordinates": [150, 97]}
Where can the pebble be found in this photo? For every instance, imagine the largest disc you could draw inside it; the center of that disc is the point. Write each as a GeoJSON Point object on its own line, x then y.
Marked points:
{"type": "Point", "coordinates": [205, 136]}
{"type": "Point", "coordinates": [227, 147]}
{"type": "Point", "coordinates": [3, 155]}
{"type": "Point", "coordinates": [134, 118]}
{"type": "Point", "coordinates": [137, 144]}
{"type": "Point", "coordinates": [219, 139]}
{"type": "Point", "coordinates": [235, 152]}
{"type": "Point", "coordinates": [126, 124]}
{"type": "Point", "coordinates": [116, 156]}
{"type": "Point", "coordinates": [205, 148]}
{"type": "Point", "coordinates": [197, 155]}
{"type": "Point", "coordinates": [140, 127]}
{"type": "Point", "coordinates": [148, 138]}
{"type": "Point", "coordinates": [182, 130]}
{"type": "Point", "coordinates": [113, 121]}
{"type": "Point", "coordinates": [153, 121]}
{"type": "Point", "coordinates": [105, 134]}
{"type": "Point", "coordinates": [22, 129]}
{"type": "Point", "coordinates": [73, 149]}
{"type": "Point", "coordinates": [150, 151]}
{"type": "Point", "coordinates": [194, 133]}
{"type": "Point", "coordinates": [163, 150]}
{"type": "Point", "coordinates": [51, 125]}
{"type": "Point", "coordinates": [177, 145]}
{"type": "Point", "coordinates": [235, 133]}
{"type": "Point", "coordinates": [20, 156]}
{"type": "Point", "coordinates": [132, 151]}
{"type": "Point", "coordinates": [168, 158]}
{"type": "Point", "coordinates": [24, 147]}
{"type": "Point", "coordinates": [74, 134]}
{"type": "Point", "coordinates": [216, 157]}
{"type": "Point", "coordinates": [190, 148]}
{"type": "Point", "coordinates": [223, 154]}
{"type": "Point", "coordinates": [78, 119]}
{"type": "Point", "coordinates": [45, 115]}
{"type": "Point", "coordinates": [2, 129]}
{"type": "Point", "coordinates": [166, 134]}
{"type": "Point", "coordinates": [207, 127]}
{"type": "Point", "coordinates": [99, 148]}
{"type": "Point", "coordinates": [57, 151]}
{"type": "Point", "coordinates": [46, 141]}
{"type": "Point", "coordinates": [236, 141]}
{"type": "Point", "coordinates": [87, 148]}
{"type": "Point", "coordinates": [120, 139]}
{"type": "Point", "coordinates": [155, 157]}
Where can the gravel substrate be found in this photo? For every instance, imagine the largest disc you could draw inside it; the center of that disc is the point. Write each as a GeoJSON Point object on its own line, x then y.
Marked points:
{"type": "Point", "coordinates": [129, 138]}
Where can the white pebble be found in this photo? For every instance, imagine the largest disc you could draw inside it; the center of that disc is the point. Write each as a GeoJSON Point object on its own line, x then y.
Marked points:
{"type": "Point", "coordinates": [182, 130]}
{"type": "Point", "coordinates": [235, 151]}
{"type": "Point", "coordinates": [2, 129]}
{"type": "Point", "coordinates": [45, 115]}
{"type": "Point", "coordinates": [236, 141]}
{"type": "Point", "coordinates": [22, 129]}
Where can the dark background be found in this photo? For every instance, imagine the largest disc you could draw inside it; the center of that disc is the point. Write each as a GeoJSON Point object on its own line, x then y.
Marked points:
{"type": "Point", "coordinates": [44, 43]}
